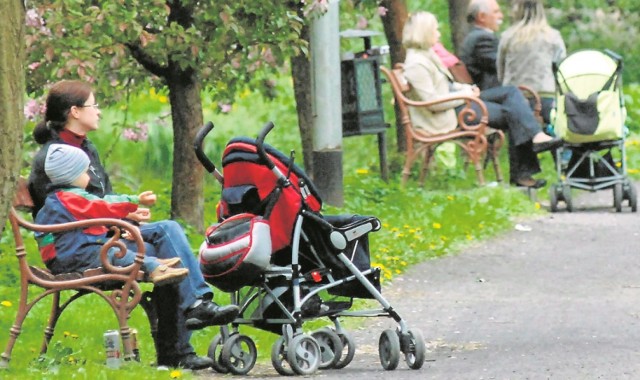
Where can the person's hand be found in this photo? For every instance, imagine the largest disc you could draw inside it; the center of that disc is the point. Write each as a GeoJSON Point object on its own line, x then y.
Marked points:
{"type": "Point", "coordinates": [140, 215]}
{"type": "Point", "coordinates": [476, 90]}
{"type": "Point", "coordinates": [147, 198]}
{"type": "Point", "coordinates": [127, 235]}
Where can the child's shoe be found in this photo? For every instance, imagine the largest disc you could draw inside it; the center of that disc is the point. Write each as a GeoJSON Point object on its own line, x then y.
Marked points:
{"type": "Point", "coordinates": [164, 275]}
{"type": "Point", "coordinates": [173, 262]}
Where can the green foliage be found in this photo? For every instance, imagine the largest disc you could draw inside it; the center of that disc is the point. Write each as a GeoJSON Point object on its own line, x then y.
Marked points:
{"type": "Point", "coordinates": [596, 24]}
{"type": "Point", "coordinates": [632, 104]}
{"type": "Point", "coordinates": [229, 44]}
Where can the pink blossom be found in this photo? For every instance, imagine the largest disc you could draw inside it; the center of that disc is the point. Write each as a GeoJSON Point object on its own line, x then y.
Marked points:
{"type": "Point", "coordinates": [33, 66]}
{"type": "Point", "coordinates": [33, 19]}
{"type": "Point", "coordinates": [382, 11]}
{"type": "Point", "coordinates": [362, 23]}
{"type": "Point", "coordinates": [225, 108]}
{"type": "Point", "coordinates": [268, 57]}
{"type": "Point", "coordinates": [317, 7]}
{"type": "Point", "coordinates": [140, 132]}
{"type": "Point", "coordinates": [32, 109]}
{"type": "Point", "coordinates": [130, 134]}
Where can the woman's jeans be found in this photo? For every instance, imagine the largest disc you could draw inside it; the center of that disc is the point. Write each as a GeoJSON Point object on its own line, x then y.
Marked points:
{"type": "Point", "coordinates": [166, 239]}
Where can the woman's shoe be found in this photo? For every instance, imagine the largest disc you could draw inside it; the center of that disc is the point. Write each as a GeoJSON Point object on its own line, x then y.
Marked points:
{"type": "Point", "coordinates": [552, 144]}
{"type": "Point", "coordinates": [529, 182]}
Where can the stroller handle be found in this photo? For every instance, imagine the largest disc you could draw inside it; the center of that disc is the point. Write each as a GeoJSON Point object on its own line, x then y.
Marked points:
{"type": "Point", "coordinates": [263, 154]}
{"type": "Point", "coordinates": [260, 144]}
{"type": "Point", "coordinates": [614, 55]}
{"type": "Point", "coordinates": [202, 157]}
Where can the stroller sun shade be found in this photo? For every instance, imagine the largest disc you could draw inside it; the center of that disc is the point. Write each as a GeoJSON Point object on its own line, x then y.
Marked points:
{"type": "Point", "coordinates": [245, 171]}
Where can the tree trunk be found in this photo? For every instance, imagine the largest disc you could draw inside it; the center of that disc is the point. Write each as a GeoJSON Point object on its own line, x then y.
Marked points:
{"type": "Point", "coordinates": [458, 21]}
{"type": "Point", "coordinates": [12, 90]}
{"type": "Point", "coordinates": [301, 73]}
{"type": "Point", "coordinates": [187, 200]}
{"type": "Point", "coordinates": [393, 22]}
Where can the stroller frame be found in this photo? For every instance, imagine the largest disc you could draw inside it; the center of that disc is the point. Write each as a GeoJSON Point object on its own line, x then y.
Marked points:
{"type": "Point", "coordinates": [594, 164]}
{"type": "Point", "coordinates": [297, 352]}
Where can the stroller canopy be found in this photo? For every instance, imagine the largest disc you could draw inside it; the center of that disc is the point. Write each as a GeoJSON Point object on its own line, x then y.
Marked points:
{"type": "Point", "coordinates": [587, 71]}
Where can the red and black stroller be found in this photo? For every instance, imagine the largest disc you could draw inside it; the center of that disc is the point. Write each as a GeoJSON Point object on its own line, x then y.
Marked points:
{"type": "Point", "coordinates": [284, 263]}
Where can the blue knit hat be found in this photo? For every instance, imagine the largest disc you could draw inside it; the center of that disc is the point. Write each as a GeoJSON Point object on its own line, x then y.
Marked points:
{"type": "Point", "coordinates": [65, 163]}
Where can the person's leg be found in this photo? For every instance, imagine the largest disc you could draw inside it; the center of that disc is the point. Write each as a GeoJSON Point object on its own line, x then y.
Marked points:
{"type": "Point", "coordinates": [169, 241]}
{"type": "Point", "coordinates": [149, 264]}
{"type": "Point", "coordinates": [517, 114]}
{"type": "Point", "coordinates": [523, 162]}
{"type": "Point", "coordinates": [547, 105]}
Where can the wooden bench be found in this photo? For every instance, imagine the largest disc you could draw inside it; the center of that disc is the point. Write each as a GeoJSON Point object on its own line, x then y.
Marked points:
{"type": "Point", "coordinates": [477, 140]}
{"type": "Point", "coordinates": [118, 286]}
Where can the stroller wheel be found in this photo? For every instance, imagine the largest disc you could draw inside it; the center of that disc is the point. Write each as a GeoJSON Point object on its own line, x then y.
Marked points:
{"type": "Point", "coordinates": [389, 349]}
{"type": "Point", "coordinates": [215, 353]}
{"type": "Point", "coordinates": [349, 345]}
{"type": "Point", "coordinates": [330, 347]}
{"type": "Point", "coordinates": [414, 351]}
{"type": "Point", "coordinates": [303, 354]}
{"type": "Point", "coordinates": [633, 197]}
{"type": "Point", "coordinates": [617, 197]}
{"type": "Point", "coordinates": [566, 195]}
{"type": "Point", "coordinates": [279, 358]}
{"type": "Point", "coordinates": [239, 354]}
{"type": "Point", "coordinates": [553, 198]}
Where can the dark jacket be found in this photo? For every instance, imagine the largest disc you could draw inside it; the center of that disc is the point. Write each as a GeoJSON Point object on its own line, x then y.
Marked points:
{"type": "Point", "coordinates": [479, 54]}
{"type": "Point", "coordinates": [39, 183]}
{"type": "Point", "coordinates": [78, 248]}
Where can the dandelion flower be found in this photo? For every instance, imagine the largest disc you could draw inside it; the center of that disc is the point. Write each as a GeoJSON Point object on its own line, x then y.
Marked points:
{"type": "Point", "coordinates": [437, 225]}
{"type": "Point", "coordinates": [6, 303]}
{"type": "Point", "coordinates": [537, 206]}
{"type": "Point", "coordinates": [175, 374]}
{"type": "Point", "coordinates": [362, 171]}
{"type": "Point", "coordinates": [66, 334]}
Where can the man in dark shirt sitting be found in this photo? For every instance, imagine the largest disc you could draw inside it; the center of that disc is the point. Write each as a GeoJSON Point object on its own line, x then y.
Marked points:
{"type": "Point", "coordinates": [480, 46]}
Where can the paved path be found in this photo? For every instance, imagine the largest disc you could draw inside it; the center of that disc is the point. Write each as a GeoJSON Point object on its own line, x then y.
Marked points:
{"type": "Point", "coordinates": [561, 301]}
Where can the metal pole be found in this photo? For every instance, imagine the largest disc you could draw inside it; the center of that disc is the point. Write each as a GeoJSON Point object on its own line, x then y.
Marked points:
{"type": "Point", "coordinates": [327, 104]}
